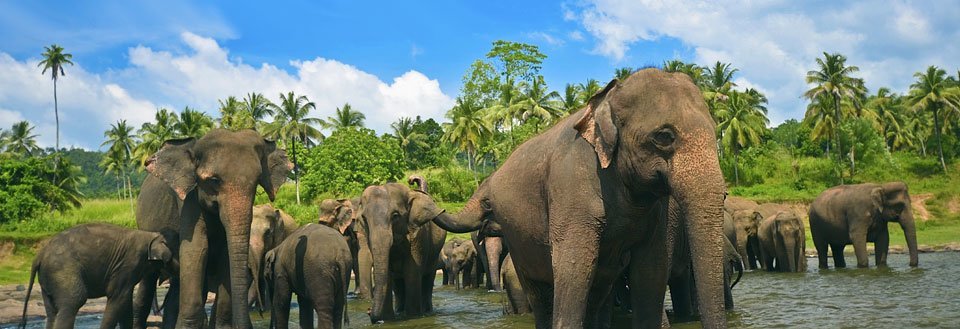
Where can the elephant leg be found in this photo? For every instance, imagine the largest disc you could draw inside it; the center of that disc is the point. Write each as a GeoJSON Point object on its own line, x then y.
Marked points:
{"type": "Point", "coordinates": [171, 304]}
{"type": "Point", "coordinates": [365, 264]}
{"type": "Point", "coordinates": [681, 294]}
{"type": "Point", "coordinates": [325, 312]}
{"type": "Point", "coordinates": [399, 294]}
{"type": "Point", "coordinates": [306, 308]}
{"type": "Point", "coordinates": [573, 275]}
{"type": "Point", "coordinates": [51, 308]}
{"type": "Point", "coordinates": [146, 292]}
{"type": "Point", "coordinates": [821, 244]}
{"type": "Point", "coordinates": [838, 260]}
{"type": "Point", "coordinates": [222, 309]}
{"type": "Point", "coordinates": [280, 311]}
{"type": "Point", "coordinates": [426, 291]}
{"type": "Point", "coordinates": [881, 247]}
{"type": "Point", "coordinates": [859, 240]}
{"type": "Point", "coordinates": [119, 310]}
{"type": "Point", "coordinates": [193, 262]}
{"type": "Point", "coordinates": [540, 297]}
{"type": "Point", "coordinates": [413, 284]}
{"type": "Point", "coordinates": [648, 271]}
{"type": "Point", "coordinates": [605, 312]}
{"type": "Point", "coordinates": [67, 311]}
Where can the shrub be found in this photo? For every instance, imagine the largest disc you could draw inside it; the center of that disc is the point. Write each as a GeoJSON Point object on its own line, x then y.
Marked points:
{"type": "Point", "coordinates": [350, 160]}
{"type": "Point", "coordinates": [452, 183]}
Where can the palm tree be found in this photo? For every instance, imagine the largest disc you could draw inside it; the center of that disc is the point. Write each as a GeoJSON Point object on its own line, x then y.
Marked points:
{"type": "Point", "coordinates": [408, 136]}
{"type": "Point", "coordinates": [193, 123]}
{"type": "Point", "coordinates": [258, 106]}
{"type": "Point", "coordinates": [467, 129]}
{"type": "Point", "coordinates": [291, 122]}
{"type": "Point", "coordinates": [508, 107]}
{"type": "Point", "coordinates": [588, 89]}
{"type": "Point", "coordinates": [121, 143]}
{"type": "Point", "coordinates": [540, 103]}
{"type": "Point", "coordinates": [884, 106]}
{"type": "Point", "coordinates": [622, 73]}
{"type": "Point", "coordinates": [571, 99]}
{"type": "Point", "coordinates": [744, 122]}
{"type": "Point", "coordinates": [694, 71]}
{"type": "Point", "coordinates": [833, 78]}
{"type": "Point", "coordinates": [20, 139]}
{"type": "Point", "coordinates": [234, 116]}
{"type": "Point", "coordinates": [345, 117]}
{"type": "Point", "coordinates": [154, 134]}
{"type": "Point", "coordinates": [113, 162]}
{"type": "Point", "coordinates": [717, 85]}
{"type": "Point", "coordinates": [934, 93]}
{"type": "Point", "coordinates": [71, 178]}
{"type": "Point", "coordinates": [53, 59]}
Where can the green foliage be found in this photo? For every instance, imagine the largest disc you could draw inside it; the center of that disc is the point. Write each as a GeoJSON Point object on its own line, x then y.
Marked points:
{"type": "Point", "coordinates": [452, 183]}
{"type": "Point", "coordinates": [29, 190]}
{"type": "Point", "coordinates": [350, 160]}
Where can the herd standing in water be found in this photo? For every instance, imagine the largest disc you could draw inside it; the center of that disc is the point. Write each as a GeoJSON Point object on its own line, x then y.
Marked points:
{"type": "Point", "coordinates": [612, 205]}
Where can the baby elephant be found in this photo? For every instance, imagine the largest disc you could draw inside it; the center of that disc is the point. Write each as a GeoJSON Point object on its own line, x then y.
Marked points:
{"type": "Point", "coordinates": [314, 262]}
{"type": "Point", "coordinates": [91, 261]}
{"type": "Point", "coordinates": [782, 242]}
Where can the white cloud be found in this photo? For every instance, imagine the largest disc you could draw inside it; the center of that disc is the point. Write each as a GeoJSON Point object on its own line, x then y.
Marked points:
{"type": "Point", "coordinates": [8, 118]}
{"type": "Point", "coordinates": [546, 37]}
{"type": "Point", "coordinates": [775, 43]}
{"type": "Point", "coordinates": [198, 77]}
{"type": "Point", "coordinates": [576, 36]}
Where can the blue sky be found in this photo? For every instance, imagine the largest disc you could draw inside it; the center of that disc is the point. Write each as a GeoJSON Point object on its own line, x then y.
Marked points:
{"type": "Point", "coordinates": [394, 59]}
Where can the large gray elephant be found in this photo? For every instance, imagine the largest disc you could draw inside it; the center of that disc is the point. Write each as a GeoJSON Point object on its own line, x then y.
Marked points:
{"type": "Point", "coordinates": [608, 187]}
{"type": "Point", "coordinates": [342, 215]}
{"type": "Point", "coordinates": [857, 214]}
{"type": "Point", "coordinates": [269, 227]}
{"type": "Point", "coordinates": [782, 242]}
{"type": "Point", "coordinates": [200, 194]}
{"type": "Point", "coordinates": [91, 261]}
{"type": "Point", "coordinates": [314, 263]}
{"type": "Point", "coordinates": [404, 245]}
{"type": "Point", "coordinates": [517, 300]}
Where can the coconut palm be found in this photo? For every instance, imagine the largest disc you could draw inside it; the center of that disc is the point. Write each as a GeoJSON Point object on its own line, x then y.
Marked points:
{"type": "Point", "coordinates": [53, 59]}
{"type": "Point", "coordinates": [154, 134]}
{"type": "Point", "coordinates": [588, 89]}
{"type": "Point", "coordinates": [114, 162]}
{"type": "Point", "coordinates": [507, 108]}
{"type": "Point", "coordinates": [20, 140]}
{"type": "Point", "coordinates": [833, 78]}
{"type": "Point", "coordinates": [744, 122]}
{"type": "Point", "coordinates": [234, 116]}
{"type": "Point", "coordinates": [622, 73]}
{"type": "Point", "coordinates": [571, 101]}
{"type": "Point", "coordinates": [717, 85]}
{"type": "Point", "coordinates": [539, 102]}
{"type": "Point", "coordinates": [933, 92]}
{"type": "Point", "coordinates": [291, 122]}
{"type": "Point", "coordinates": [345, 117]}
{"type": "Point", "coordinates": [467, 128]}
{"type": "Point", "coordinates": [404, 131]}
{"type": "Point", "coordinates": [259, 107]}
{"type": "Point", "coordinates": [193, 123]}
{"type": "Point", "coordinates": [71, 177]}
{"type": "Point", "coordinates": [121, 142]}
{"type": "Point", "coordinates": [694, 71]}
{"type": "Point", "coordinates": [885, 106]}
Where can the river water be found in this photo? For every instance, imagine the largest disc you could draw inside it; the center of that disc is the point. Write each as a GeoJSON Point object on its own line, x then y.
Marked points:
{"type": "Point", "coordinates": [895, 297]}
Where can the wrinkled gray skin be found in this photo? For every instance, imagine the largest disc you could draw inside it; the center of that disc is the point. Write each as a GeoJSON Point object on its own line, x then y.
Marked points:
{"type": "Point", "coordinates": [683, 290]}
{"type": "Point", "coordinates": [200, 196]}
{"type": "Point", "coordinates": [488, 241]}
{"type": "Point", "coordinates": [270, 226]}
{"type": "Point", "coordinates": [91, 261]}
{"type": "Point", "coordinates": [857, 214]}
{"type": "Point", "coordinates": [518, 303]}
{"type": "Point", "coordinates": [605, 188]}
{"type": "Point", "coordinates": [341, 215]}
{"type": "Point", "coordinates": [782, 241]}
{"type": "Point", "coordinates": [458, 256]}
{"type": "Point", "coordinates": [745, 224]}
{"type": "Point", "coordinates": [314, 263]}
{"type": "Point", "coordinates": [404, 245]}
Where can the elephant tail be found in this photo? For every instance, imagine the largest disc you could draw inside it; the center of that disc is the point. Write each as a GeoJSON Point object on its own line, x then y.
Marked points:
{"type": "Point", "coordinates": [26, 300]}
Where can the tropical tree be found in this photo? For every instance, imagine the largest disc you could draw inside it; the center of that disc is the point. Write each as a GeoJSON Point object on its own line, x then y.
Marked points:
{"type": "Point", "coordinates": [345, 117]}
{"type": "Point", "coordinates": [717, 86]}
{"type": "Point", "coordinates": [121, 143]}
{"type": "Point", "coordinates": [114, 163]}
{"type": "Point", "coordinates": [540, 102]}
{"type": "Point", "coordinates": [622, 73]}
{"type": "Point", "coordinates": [404, 130]}
{"type": "Point", "coordinates": [886, 108]}
{"type": "Point", "coordinates": [571, 100]}
{"type": "Point", "coordinates": [694, 71]}
{"type": "Point", "coordinates": [53, 59]}
{"type": "Point", "coordinates": [258, 106]}
{"type": "Point", "coordinates": [507, 108]}
{"type": "Point", "coordinates": [744, 121]}
{"type": "Point", "coordinates": [154, 134]}
{"type": "Point", "coordinates": [588, 89]}
{"type": "Point", "coordinates": [233, 115]}
{"type": "Point", "coordinates": [20, 140]}
{"type": "Point", "coordinates": [833, 79]}
{"type": "Point", "coordinates": [193, 123]}
{"type": "Point", "coordinates": [933, 92]}
{"type": "Point", "coordinates": [291, 122]}
{"type": "Point", "coordinates": [467, 129]}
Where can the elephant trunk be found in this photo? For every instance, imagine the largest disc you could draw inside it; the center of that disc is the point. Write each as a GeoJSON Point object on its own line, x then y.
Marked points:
{"type": "Point", "coordinates": [380, 245]}
{"type": "Point", "coordinates": [791, 249]}
{"type": "Point", "coordinates": [468, 220]}
{"type": "Point", "coordinates": [493, 247]}
{"type": "Point", "coordinates": [910, 233]}
{"type": "Point", "coordinates": [256, 269]}
{"type": "Point", "coordinates": [697, 184]}
{"type": "Point", "coordinates": [455, 274]}
{"type": "Point", "coordinates": [236, 214]}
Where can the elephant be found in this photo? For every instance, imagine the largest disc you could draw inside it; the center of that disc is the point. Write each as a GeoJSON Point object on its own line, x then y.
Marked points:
{"type": "Point", "coordinates": [518, 303]}
{"type": "Point", "coordinates": [91, 261]}
{"type": "Point", "coordinates": [746, 222]}
{"type": "Point", "coordinates": [734, 203]}
{"type": "Point", "coordinates": [404, 245]}
{"type": "Point", "coordinates": [269, 227]}
{"type": "Point", "coordinates": [488, 241]}
{"type": "Point", "coordinates": [314, 263]}
{"type": "Point", "coordinates": [199, 194]}
{"type": "Point", "coordinates": [342, 215]}
{"type": "Point", "coordinates": [606, 188]}
{"type": "Point", "coordinates": [782, 242]}
{"type": "Point", "coordinates": [857, 214]}
{"type": "Point", "coordinates": [683, 290]}
{"type": "Point", "coordinates": [458, 256]}
{"type": "Point", "coordinates": [769, 209]}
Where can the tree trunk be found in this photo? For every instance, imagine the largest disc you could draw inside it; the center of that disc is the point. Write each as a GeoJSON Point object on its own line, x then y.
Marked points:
{"type": "Point", "coordinates": [836, 134]}
{"type": "Point", "coordinates": [936, 125]}
{"type": "Point", "coordinates": [736, 162]}
{"type": "Point", "coordinates": [56, 115]}
{"type": "Point", "coordinates": [296, 168]}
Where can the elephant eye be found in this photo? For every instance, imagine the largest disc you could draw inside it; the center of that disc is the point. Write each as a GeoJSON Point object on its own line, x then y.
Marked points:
{"type": "Point", "coordinates": [664, 137]}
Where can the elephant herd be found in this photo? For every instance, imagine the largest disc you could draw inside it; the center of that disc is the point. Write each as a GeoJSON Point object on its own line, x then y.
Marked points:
{"type": "Point", "coordinates": [610, 206]}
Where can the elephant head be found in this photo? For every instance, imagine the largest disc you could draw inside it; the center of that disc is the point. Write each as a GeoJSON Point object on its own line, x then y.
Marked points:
{"type": "Point", "coordinates": [338, 214]}
{"type": "Point", "coordinates": [219, 174]}
{"type": "Point", "coordinates": [159, 250]}
{"type": "Point", "coordinates": [788, 240]}
{"type": "Point", "coordinates": [892, 204]}
{"type": "Point", "coordinates": [392, 215]}
{"type": "Point", "coordinates": [268, 228]}
{"type": "Point", "coordinates": [746, 223]}
{"type": "Point", "coordinates": [653, 139]}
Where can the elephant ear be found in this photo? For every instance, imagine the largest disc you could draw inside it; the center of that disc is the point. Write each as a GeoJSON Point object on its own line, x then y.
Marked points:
{"type": "Point", "coordinates": [158, 250]}
{"type": "Point", "coordinates": [876, 196]}
{"type": "Point", "coordinates": [422, 207]}
{"type": "Point", "coordinates": [174, 164]}
{"type": "Point", "coordinates": [345, 208]}
{"type": "Point", "coordinates": [597, 126]}
{"type": "Point", "coordinates": [275, 166]}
